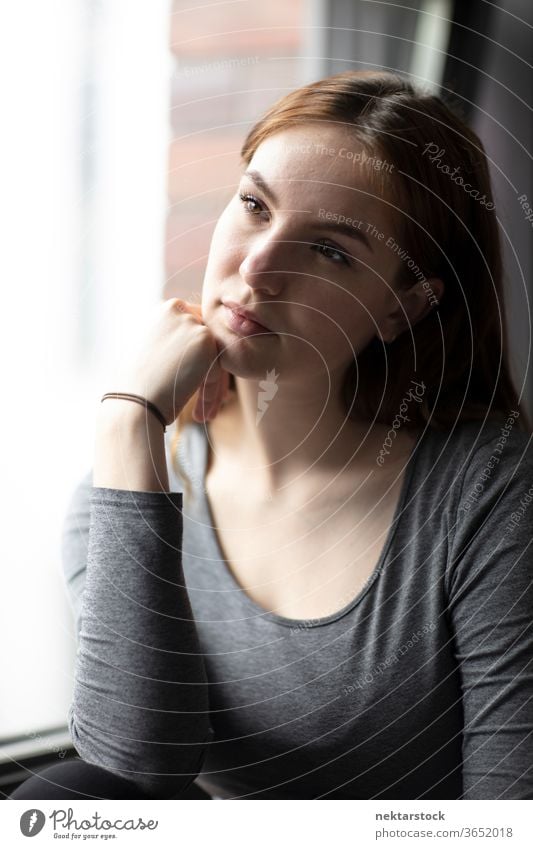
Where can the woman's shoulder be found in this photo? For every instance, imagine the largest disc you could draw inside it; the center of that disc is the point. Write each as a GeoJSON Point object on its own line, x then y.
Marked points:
{"type": "Point", "coordinates": [491, 525]}
{"type": "Point", "coordinates": [473, 454]}
{"type": "Point", "coordinates": [472, 441]}
{"type": "Point", "coordinates": [500, 470]}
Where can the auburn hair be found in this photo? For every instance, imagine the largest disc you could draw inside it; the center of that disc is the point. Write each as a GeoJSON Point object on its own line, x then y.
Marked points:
{"type": "Point", "coordinates": [438, 188]}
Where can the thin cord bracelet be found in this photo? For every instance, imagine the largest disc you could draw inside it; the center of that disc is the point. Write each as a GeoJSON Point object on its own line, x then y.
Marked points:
{"type": "Point", "coordinates": [139, 400]}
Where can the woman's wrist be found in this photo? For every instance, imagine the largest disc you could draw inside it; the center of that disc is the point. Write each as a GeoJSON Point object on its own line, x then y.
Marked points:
{"type": "Point", "coordinates": [137, 399]}
{"type": "Point", "coordinates": [122, 409]}
{"type": "Point", "coordinates": [129, 448]}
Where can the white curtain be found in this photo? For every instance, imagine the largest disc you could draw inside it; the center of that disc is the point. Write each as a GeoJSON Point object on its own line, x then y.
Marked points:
{"type": "Point", "coordinates": [85, 94]}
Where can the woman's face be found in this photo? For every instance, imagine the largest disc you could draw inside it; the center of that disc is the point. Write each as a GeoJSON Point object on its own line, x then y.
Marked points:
{"type": "Point", "coordinates": [323, 291]}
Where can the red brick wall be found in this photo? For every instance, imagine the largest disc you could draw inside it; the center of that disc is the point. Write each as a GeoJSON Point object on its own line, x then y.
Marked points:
{"type": "Point", "coordinates": [231, 63]}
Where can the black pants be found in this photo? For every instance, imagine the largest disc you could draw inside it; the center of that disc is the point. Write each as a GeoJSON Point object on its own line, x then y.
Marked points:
{"type": "Point", "coordinates": [77, 779]}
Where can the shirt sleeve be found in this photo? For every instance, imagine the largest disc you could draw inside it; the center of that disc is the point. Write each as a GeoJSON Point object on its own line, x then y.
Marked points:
{"type": "Point", "coordinates": [140, 701]}
{"type": "Point", "coordinates": [489, 604]}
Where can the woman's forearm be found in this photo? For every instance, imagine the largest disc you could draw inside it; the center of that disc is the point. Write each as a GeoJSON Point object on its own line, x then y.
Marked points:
{"type": "Point", "coordinates": [129, 448]}
{"type": "Point", "coordinates": [140, 703]}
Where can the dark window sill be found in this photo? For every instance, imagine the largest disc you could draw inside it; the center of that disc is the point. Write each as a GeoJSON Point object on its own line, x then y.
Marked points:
{"type": "Point", "coordinates": [21, 757]}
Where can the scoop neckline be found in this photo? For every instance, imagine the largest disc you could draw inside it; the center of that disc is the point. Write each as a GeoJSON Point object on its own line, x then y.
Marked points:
{"type": "Point", "coordinates": [289, 622]}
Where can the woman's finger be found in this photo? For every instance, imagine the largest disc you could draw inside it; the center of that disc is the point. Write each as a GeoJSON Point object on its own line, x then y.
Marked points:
{"type": "Point", "coordinates": [211, 394]}
{"type": "Point", "coordinates": [193, 309]}
{"type": "Point", "coordinates": [214, 388]}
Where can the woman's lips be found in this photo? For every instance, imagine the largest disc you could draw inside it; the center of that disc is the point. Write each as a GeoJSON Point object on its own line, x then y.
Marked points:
{"type": "Point", "coordinates": [243, 310]}
{"type": "Point", "coordinates": [243, 325]}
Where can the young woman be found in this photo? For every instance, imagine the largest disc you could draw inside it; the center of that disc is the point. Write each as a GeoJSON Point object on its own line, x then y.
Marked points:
{"type": "Point", "coordinates": [317, 583]}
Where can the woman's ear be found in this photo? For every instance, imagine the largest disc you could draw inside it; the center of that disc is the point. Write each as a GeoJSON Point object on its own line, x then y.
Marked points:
{"type": "Point", "coordinates": [412, 305]}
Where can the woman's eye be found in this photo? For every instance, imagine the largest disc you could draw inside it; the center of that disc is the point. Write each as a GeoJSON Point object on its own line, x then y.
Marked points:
{"type": "Point", "coordinates": [331, 252]}
{"type": "Point", "coordinates": [251, 204]}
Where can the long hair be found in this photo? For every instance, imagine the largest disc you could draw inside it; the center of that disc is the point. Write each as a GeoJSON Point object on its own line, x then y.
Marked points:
{"type": "Point", "coordinates": [437, 186]}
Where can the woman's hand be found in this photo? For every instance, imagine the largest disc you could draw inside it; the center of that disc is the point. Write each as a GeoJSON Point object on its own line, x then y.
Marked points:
{"type": "Point", "coordinates": [178, 356]}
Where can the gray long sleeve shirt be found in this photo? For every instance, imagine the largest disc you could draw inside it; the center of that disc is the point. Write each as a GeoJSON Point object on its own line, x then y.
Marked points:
{"type": "Point", "coordinates": [419, 688]}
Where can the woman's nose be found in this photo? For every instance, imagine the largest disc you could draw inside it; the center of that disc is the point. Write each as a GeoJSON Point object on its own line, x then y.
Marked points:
{"type": "Point", "coordinates": [265, 265]}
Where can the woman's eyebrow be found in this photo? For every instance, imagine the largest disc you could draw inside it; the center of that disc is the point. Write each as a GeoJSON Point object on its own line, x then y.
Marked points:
{"type": "Point", "coordinates": [339, 226]}
{"type": "Point", "coordinates": [256, 178]}
{"type": "Point", "coordinates": [347, 229]}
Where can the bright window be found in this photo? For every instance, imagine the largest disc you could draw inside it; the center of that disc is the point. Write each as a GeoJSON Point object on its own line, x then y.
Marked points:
{"type": "Point", "coordinates": [84, 165]}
